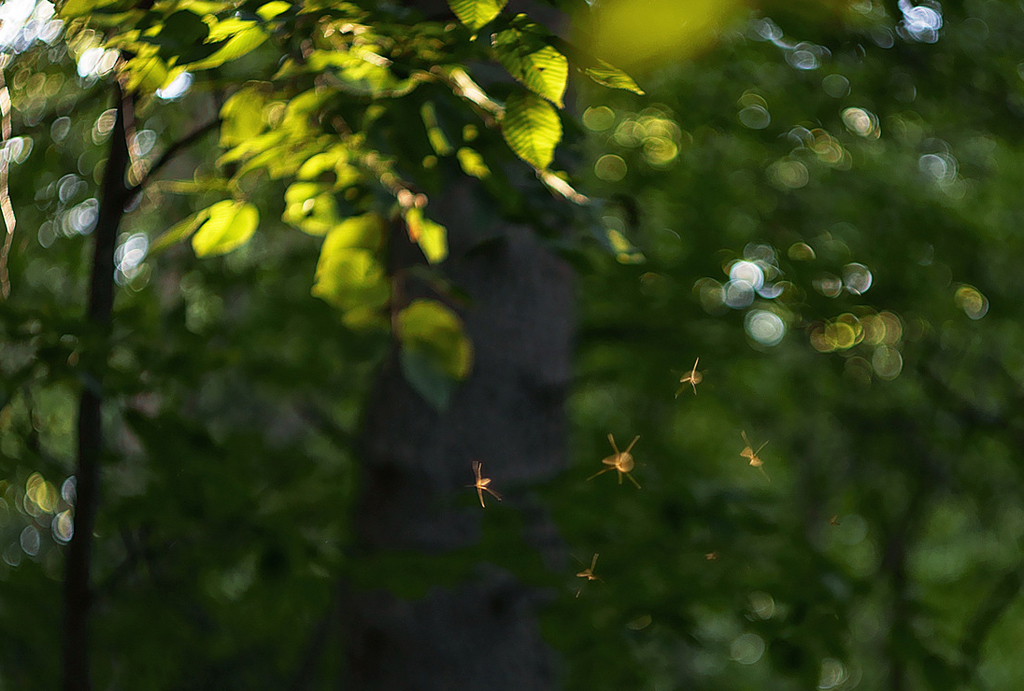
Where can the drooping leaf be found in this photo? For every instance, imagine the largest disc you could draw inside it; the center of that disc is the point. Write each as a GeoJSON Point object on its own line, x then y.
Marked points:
{"type": "Point", "coordinates": [230, 225]}
{"type": "Point", "coordinates": [475, 13]}
{"type": "Point", "coordinates": [431, 237]}
{"type": "Point", "coordinates": [532, 128]}
{"type": "Point", "coordinates": [528, 57]}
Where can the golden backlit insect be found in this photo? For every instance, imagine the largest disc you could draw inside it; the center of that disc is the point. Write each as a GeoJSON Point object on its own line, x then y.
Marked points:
{"type": "Point", "coordinates": [621, 461]}
{"type": "Point", "coordinates": [588, 573]}
{"type": "Point", "coordinates": [693, 377]}
{"type": "Point", "coordinates": [711, 556]}
{"type": "Point", "coordinates": [482, 483]}
{"type": "Point", "coordinates": [754, 456]}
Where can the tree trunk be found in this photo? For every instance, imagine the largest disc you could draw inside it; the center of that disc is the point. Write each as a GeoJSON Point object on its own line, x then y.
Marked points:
{"type": "Point", "coordinates": [482, 633]}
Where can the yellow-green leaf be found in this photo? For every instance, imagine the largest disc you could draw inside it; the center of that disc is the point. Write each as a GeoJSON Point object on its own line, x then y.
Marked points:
{"type": "Point", "coordinates": [241, 117]}
{"type": "Point", "coordinates": [431, 237]}
{"type": "Point", "coordinates": [230, 225]}
{"type": "Point", "coordinates": [246, 40]}
{"type": "Point", "coordinates": [272, 9]}
{"type": "Point", "coordinates": [431, 328]}
{"type": "Point", "coordinates": [540, 67]}
{"type": "Point", "coordinates": [608, 75]}
{"type": "Point", "coordinates": [532, 128]}
{"type": "Point", "coordinates": [366, 232]}
{"type": "Point", "coordinates": [350, 278]}
{"type": "Point", "coordinates": [475, 13]}
{"type": "Point", "coordinates": [310, 207]}
{"type": "Point", "coordinates": [472, 163]}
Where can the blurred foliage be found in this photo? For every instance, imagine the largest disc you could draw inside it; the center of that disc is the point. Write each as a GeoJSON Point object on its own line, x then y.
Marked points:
{"type": "Point", "coordinates": [822, 207]}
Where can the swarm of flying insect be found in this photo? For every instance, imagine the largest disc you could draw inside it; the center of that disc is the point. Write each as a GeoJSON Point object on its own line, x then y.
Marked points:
{"type": "Point", "coordinates": [621, 461]}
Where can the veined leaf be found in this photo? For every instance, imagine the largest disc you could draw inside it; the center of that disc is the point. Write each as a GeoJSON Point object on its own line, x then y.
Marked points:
{"type": "Point", "coordinates": [230, 225]}
{"type": "Point", "coordinates": [532, 128]}
{"type": "Point", "coordinates": [475, 13]}
{"type": "Point", "coordinates": [608, 75]}
{"type": "Point", "coordinates": [431, 237]}
{"type": "Point", "coordinates": [601, 71]}
{"type": "Point", "coordinates": [523, 51]}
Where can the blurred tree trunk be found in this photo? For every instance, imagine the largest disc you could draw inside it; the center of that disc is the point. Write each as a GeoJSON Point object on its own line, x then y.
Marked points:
{"type": "Point", "coordinates": [483, 633]}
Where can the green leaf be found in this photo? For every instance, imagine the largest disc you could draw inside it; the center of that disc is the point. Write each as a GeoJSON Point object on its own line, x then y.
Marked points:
{"type": "Point", "coordinates": [524, 52]}
{"type": "Point", "coordinates": [245, 38]}
{"type": "Point", "coordinates": [179, 231]}
{"type": "Point", "coordinates": [608, 75]}
{"type": "Point", "coordinates": [272, 9]}
{"type": "Point", "coordinates": [229, 226]}
{"type": "Point", "coordinates": [241, 117]}
{"type": "Point", "coordinates": [435, 352]}
{"type": "Point", "coordinates": [472, 163]}
{"type": "Point", "coordinates": [532, 128]}
{"type": "Point", "coordinates": [600, 71]}
{"type": "Point", "coordinates": [310, 207]}
{"type": "Point", "coordinates": [475, 13]}
{"type": "Point", "coordinates": [348, 277]}
{"type": "Point", "coordinates": [427, 379]}
{"type": "Point", "coordinates": [79, 8]}
{"type": "Point", "coordinates": [431, 237]}
{"type": "Point", "coordinates": [183, 38]}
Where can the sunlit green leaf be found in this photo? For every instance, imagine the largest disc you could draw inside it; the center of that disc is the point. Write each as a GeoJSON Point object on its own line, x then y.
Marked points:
{"type": "Point", "coordinates": [247, 37]}
{"type": "Point", "coordinates": [431, 237]}
{"type": "Point", "coordinates": [472, 162]}
{"type": "Point", "coordinates": [350, 277]}
{"type": "Point", "coordinates": [241, 117]}
{"type": "Point", "coordinates": [230, 225]}
{"type": "Point", "coordinates": [532, 128]}
{"type": "Point", "coordinates": [526, 55]}
{"type": "Point", "coordinates": [475, 13]}
{"type": "Point", "coordinates": [608, 75]}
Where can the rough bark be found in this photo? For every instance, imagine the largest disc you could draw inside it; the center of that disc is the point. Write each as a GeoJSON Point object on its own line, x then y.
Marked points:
{"type": "Point", "coordinates": [483, 633]}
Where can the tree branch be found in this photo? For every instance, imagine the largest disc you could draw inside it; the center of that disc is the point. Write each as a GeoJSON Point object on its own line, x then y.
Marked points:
{"type": "Point", "coordinates": [172, 151]}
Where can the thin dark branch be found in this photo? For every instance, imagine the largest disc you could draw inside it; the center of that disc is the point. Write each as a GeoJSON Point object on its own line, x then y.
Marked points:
{"type": "Point", "coordinates": [78, 591]}
{"type": "Point", "coordinates": [172, 151]}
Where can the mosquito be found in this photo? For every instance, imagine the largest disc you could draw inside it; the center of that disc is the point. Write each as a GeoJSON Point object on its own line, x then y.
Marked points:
{"type": "Point", "coordinates": [621, 461]}
{"type": "Point", "coordinates": [482, 483]}
{"type": "Point", "coordinates": [755, 458]}
{"type": "Point", "coordinates": [588, 573]}
{"type": "Point", "coordinates": [693, 377]}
